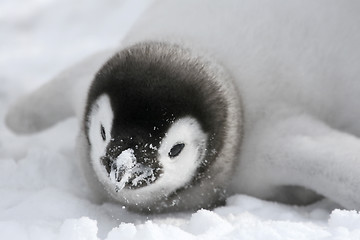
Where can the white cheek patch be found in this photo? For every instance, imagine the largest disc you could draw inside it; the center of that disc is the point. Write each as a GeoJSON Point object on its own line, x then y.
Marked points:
{"type": "Point", "coordinates": [180, 170]}
{"type": "Point", "coordinates": [101, 114]}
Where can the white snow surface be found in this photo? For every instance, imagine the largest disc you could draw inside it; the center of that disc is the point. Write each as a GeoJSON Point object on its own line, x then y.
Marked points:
{"type": "Point", "coordinates": [44, 195]}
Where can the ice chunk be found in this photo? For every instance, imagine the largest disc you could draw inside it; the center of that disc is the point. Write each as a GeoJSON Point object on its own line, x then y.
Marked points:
{"type": "Point", "coordinates": [122, 168]}
{"type": "Point", "coordinates": [126, 159]}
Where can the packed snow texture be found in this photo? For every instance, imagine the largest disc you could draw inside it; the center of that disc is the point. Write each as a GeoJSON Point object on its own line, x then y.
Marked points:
{"type": "Point", "coordinates": [44, 195]}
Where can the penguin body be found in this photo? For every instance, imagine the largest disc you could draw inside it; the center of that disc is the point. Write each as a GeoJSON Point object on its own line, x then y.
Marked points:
{"type": "Point", "coordinates": [204, 100]}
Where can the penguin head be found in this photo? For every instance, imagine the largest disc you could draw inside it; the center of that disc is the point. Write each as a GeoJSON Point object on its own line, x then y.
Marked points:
{"type": "Point", "coordinates": [132, 157]}
{"type": "Point", "coordinates": [155, 124]}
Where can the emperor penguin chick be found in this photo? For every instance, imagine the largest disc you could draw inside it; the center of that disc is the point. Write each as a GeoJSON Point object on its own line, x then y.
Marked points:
{"type": "Point", "coordinates": [161, 129]}
{"type": "Point", "coordinates": [161, 124]}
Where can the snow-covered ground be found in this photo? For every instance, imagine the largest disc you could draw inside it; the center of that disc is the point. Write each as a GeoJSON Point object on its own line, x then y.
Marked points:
{"type": "Point", "coordinates": [42, 192]}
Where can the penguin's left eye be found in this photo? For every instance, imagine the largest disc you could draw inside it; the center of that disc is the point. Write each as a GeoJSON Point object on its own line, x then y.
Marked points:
{"type": "Point", "coordinates": [176, 150]}
{"type": "Point", "coordinates": [102, 131]}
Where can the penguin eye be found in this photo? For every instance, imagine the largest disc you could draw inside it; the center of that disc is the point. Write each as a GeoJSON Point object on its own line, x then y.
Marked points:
{"type": "Point", "coordinates": [176, 150]}
{"type": "Point", "coordinates": [102, 131]}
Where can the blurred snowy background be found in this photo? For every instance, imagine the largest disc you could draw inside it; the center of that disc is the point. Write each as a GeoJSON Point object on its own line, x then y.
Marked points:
{"type": "Point", "coordinates": [42, 192]}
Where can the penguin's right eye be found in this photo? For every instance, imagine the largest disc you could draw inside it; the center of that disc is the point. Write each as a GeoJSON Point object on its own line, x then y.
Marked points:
{"type": "Point", "coordinates": [176, 150]}
{"type": "Point", "coordinates": [102, 131]}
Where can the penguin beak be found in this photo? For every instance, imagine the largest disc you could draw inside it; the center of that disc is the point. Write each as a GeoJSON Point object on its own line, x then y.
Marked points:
{"type": "Point", "coordinates": [107, 163]}
{"type": "Point", "coordinates": [124, 170]}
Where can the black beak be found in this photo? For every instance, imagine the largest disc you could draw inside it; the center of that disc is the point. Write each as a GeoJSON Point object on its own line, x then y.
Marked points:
{"type": "Point", "coordinates": [107, 162]}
